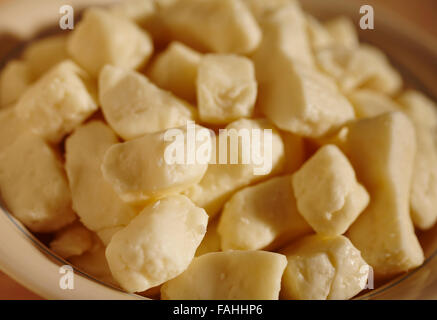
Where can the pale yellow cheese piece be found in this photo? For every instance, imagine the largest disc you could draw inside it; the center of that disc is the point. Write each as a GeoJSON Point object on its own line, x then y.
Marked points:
{"type": "Point", "coordinates": [94, 262]}
{"type": "Point", "coordinates": [15, 79]}
{"type": "Point", "coordinates": [327, 192]}
{"type": "Point", "coordinates": [226, 88]}
{"type": "Point", "coordinates": [41, 55]}
{"type": "Point", "coordinates": [102, 38]}
{"type": "Point", "coordinates": [295, 152]}
{"type": "Point", "coordinates": [318, 34]}
{"type": "Point", "coordinates": [10, 127]}
{"type": "Point", "coordinates": [158, 244]}
{"type": "Point", "coordinates": [342, 29]}
{"type": "Point", "coordinates": [222, 26]}
{"type": "Point", "coordinates": [58, 102]}
{"type": "Point", "coordinates": [211, 241]}
{"type": "Point", "coordinates": [302, 100]}
{"type": "Point", "coordinates": [322, 267]}
{"type": "Point", "coordinates": [222, 180]}
{"type": "Point", "coordinates": [73, 240]}
{"type": "Point", "coordinates": [370, 103]}
{"type": "Point", "coordinates": [148, 167]}
{"type": "Point", "coordinates": [34, 186]}
{"type": "Point", "coordinates": [277, 44]}
{"type": "Point", "coordinates": [261, 216]}
{"type": "Point", "coordinates": [94, 200]}
{"type": "Point", "coordinates": [423, 113]}
{"type": "Point", "coordinates": [260, 8]}
{"type": "Point", "coordinates": [175, 70]}
{"type": "Point", "coordinates": [134, 106]}
{"type": "Point", "coordinates": [232, 275]}
{"type": "Point", "coordinates": [382, 151]}
{"type": "Point", "coordinates": [362, 67]}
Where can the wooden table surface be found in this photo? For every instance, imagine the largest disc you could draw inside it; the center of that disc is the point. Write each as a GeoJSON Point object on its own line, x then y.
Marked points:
{"type": "Point", "coordinates": [421, 12]}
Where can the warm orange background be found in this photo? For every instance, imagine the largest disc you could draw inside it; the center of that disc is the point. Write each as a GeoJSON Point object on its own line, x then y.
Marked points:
{"type": "Point", "coordinates": [421, 12]}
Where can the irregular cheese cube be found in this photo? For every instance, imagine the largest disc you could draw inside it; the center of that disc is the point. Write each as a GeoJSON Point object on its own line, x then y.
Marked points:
{"type": "Point", "coordinates": [94, 200]}
{"type": "Point", "coordinates": [158, 244]}
{"type": "Point", "coordinates": [423, 114]}
{"type": "Point", "coordinates": [342, 30]}
{"type": "Point", "coordinates": [105, 235]}
{"type": "Point", "coordinates": [94, 263]}
{"type": "Point", "coordinates": [318, 34]}
{"type": "Point", "coordinates": [301, 100]}
{"type": "Point", "coordinates": [33, 185]}
{"type": "Point", "coordinates": [327, 193]}
{"type": "Point", "coordinates": [370, 103]}
{"type": "Point", "coordinates": [15, 78]}
{"type": "Point", "coordinates": [321, 267]}
{"type": "Point", "coordinates": [102, 38]}
{"type": "Point", "coordinates": [382, 151]}
{"type": "Point", "coordinates": [148, 15]}
{"type": "Point", "coordinates": [260, 8]}
{"type": "Point", "coordinates": [277, 44]}
{"type": "Point", "coordinates": [58, 102]}
{"type": "Point", "coordinates": [152, 167]}
{"type": "Point", "coordinates": [211, 241]}
{"type": "Point", "coordinates": [139, 11]}
{"type": "Point", "coordinates": [176, 70]}
{"type": "Point", "coordinates": [233, 275]}
{"type": "Point", "coordinates": [222, 26]}
{"type": "Point", "coordinates": [133, 106]}
{"type": "Point", "coordinates": [260, 216]}
{"type": "Point", "coordinates": [226, 88]}
{"type": "Point", "coordinates": [295, 153]}
{"type": "Point", "coordinates": [363, 67]}
{"type": "Point", "coordinates": [43, 54]}
{"type": "Point", "coordinates": [222, 180]}
{"type": "Point", "coordinates": [11, 127]}
{"type": "Point", "coordinates": [73, 240]}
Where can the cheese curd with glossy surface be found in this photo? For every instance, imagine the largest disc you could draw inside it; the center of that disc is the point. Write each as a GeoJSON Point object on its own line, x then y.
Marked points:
{"type": "Point", "coordinates": [94, 199]}
{"type": "Point", "coordinates": [58, 102]}
{"type": "Point", "coordinates": [321, 267]}
{"type": "Point", "coordinates": [260, 216]}
{"type": "Point", "coordinates": [226, 88]}
{"type": "Point", "coordinates": [102, 38]}
{"type": "Point", "coordinates": [327, 192]}
{"type": "Point", "coordinates": [229, 276]}
{"type": "Point", "coordinates": [134, 106]}
{"type": "Point", "coordinates": [34, 186]}
{"type": "Point", "coordinates": [142, 168]}
{"type": "Point", "coordinates": [158, 244]}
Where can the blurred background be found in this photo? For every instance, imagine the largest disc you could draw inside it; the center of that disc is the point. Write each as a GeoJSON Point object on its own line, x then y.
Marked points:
{"type": "Point", "coordinates": [422, 13]}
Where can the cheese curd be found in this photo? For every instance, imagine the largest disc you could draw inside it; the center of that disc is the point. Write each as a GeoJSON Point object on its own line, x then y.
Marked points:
{"type": "Point", "coordinates": [59, 101]}
{"type": "Point", "coordinates": [226, 88]}
{"type": "Point", "coordinates": [158, 244]}
{"type": "Point", "coordinates": [144, 168]}
{"type": "Point", "coordinates": [222, 26]}
{"type": "Point", "coordinates": [94, 200]}
{"type": "Point", "coordinates": [15, 78]}
{"type": "Point", "coordinates": [73, 240]}
{"type": "Point", "coordinates": [102, 38]}
{"type": "Point", "coordinates": [323, 267]}
{"type": "Point", "coordinates": [384, 232]}
{"type": "Point", "coordinates": [43, 54]}
{"type": "Point", "coordinates": [229, 276]}
{"type": "Point", "coordinates": [34, 186]}
{"type": "Point", "coordinates": [327, 193]}
{"type": "Point", "coordinates": [222, 180]}
{"type": "Point", "coordinates": [134, 106]}
{"type": "Point", "coordinates": [423, 114]}
{"type": "Point", "coordinates": [261, 216]}
{"type": "Point", "coordinates": [175, 70]}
